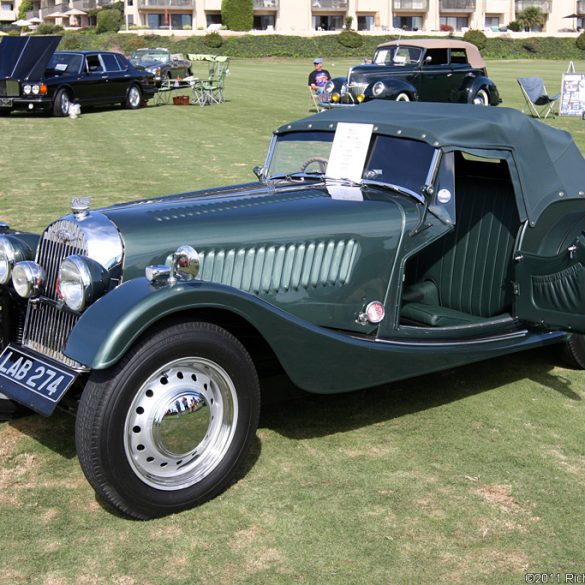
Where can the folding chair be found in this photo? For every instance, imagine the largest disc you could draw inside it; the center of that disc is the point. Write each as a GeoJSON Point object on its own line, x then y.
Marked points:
{"type": "Point", "coordinates": [210, 90]}
{"type": "Point", "coordinates": [539, 102]}
{"type": "Point", "coordinates": [315, 102]}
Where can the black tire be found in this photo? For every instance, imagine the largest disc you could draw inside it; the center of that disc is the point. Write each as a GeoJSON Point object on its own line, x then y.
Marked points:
{"type": "Point", "coordinates": [61, 103]}
{"type": "Point", "coordinates": [133, 97]}
{"type": "Point", "coordinates": [574, 351]}
{"type": "Point", "coordinates": [167, 428]}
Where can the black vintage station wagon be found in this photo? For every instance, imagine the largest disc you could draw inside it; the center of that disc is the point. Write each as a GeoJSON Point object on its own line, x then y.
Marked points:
{"type": "Point", "coordinates": [427, 70]}
{"type": "Point", "coordinates": [378, 243]}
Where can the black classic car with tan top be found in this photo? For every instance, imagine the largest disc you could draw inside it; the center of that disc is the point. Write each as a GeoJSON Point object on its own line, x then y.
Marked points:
{"type": "Point", "coordinates": [427, 70]}
{"type": "Point", "coordinates": [378, 243]}
{"type": "Point", "coordinates": [34, 77]}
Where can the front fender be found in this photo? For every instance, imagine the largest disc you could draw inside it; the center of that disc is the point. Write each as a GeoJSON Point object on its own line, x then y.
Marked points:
{"type": "Point", "coordinates": [392, 87]}
{"type": "Point", "coordinates": [316, 359]}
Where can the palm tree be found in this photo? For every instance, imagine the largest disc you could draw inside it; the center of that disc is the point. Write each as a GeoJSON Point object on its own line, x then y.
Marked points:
{"type": "Point", "coordinates": [530, 17]}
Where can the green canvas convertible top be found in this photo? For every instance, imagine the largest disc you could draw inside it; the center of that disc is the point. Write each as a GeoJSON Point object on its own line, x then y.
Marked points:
{"type": "Point", "coordinates": [545, 163]}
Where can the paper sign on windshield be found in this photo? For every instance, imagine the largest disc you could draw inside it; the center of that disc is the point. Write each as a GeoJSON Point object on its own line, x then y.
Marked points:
{"type": "Point", "coordinates": [349, 151]}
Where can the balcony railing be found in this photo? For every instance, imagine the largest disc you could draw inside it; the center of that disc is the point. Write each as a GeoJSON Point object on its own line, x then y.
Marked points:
{"type": "Point", "coordinates": [329, 4]}
{"type": "Point", "coordinates": [84, 5]}
{"type": "Point", "coordinates": [457, 5]}
{"type": "Point", "coordinates": [413, 5]}
{"type": "Point", "coordinates": [166, 4]}
{"type": "Point", "coordinates": [266, 4]}
{"type": "Point", "coordinates": [544, 5]}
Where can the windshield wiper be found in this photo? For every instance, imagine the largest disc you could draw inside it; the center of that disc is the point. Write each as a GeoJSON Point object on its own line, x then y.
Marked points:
{"type": "Point", "coordinates": [396, 188]}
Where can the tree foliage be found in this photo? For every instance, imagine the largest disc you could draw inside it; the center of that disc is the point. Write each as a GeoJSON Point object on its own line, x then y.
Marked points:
{"type": "Point", "coordinates": [237, 14]}
{"type": "Point", "coordinates": [25, 6]}
{"type": "Point", "coordinates": [108, 20]}
{"type": "Point", "coordinates": [476, 37]}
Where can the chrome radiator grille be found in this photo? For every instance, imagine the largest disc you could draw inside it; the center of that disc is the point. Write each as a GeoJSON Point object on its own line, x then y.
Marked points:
{"type": "Point", "coordinates": [355, 89]}
{"type": "Point", "coordinates": [47, 327]}
{"type": "Point", "coordinates": [9, 88]}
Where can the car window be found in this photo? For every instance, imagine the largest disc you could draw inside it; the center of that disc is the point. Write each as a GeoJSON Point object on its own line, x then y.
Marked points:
{"type": "Point", "coordinates": [437, 57]}
{"type": "Point", "coordinates": [110, 62]}
{"type": "Point", "coordinates": [122, 62]}
{"type": "Point", "coordinates": [293, 151]}
{"type": "Point", "coordinates": [148, 55]}
{"type": "Point", "coordinates": [399, 55]}
{"type": "Point", "coordinates": [64, 63]}
{"type": "Point", "coordinates": [459, 56]}
{"type": "Point", "coordinates": [399, 161]}
{"type": "Point", "coordinates": [94, 64]}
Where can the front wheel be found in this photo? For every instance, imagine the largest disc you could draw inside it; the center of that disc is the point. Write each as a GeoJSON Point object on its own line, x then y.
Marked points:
{"type": "Point", "coordinates": [61, 103]}
{"type": "Point", "coordinates": [134, 98]}
{"type": "Point", "coordinates": [167, 428]}
{"type": "Point", "coordinates": [481, 98]}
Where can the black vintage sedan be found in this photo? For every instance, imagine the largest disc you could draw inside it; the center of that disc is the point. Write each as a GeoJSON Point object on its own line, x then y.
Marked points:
{"type": "Point", "coordinates": [426, 70]}
{"type": "Point", "coordinates": [36, 78]}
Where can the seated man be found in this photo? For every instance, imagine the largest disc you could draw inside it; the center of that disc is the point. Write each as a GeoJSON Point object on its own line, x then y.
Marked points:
{"type": "Point", "coordinates": [319, 77]}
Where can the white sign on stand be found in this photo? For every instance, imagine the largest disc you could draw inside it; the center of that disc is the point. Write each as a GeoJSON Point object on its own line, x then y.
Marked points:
{"type": "Point", "coordinates": [348, 157]}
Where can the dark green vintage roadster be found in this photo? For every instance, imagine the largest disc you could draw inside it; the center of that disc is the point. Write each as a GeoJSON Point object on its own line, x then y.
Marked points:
{"type": "Point", "coordinates": [378, 243]}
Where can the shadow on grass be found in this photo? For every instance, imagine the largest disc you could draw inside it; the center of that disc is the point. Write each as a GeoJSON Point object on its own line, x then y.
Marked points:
{"type": "Point", "coordinates": [306, 415]}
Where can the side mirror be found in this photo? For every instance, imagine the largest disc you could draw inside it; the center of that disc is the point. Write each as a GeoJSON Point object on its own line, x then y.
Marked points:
{"type": "Point", "coordinates": [428, 59]}
{"type": "Point", "coordinates": [259, 172]}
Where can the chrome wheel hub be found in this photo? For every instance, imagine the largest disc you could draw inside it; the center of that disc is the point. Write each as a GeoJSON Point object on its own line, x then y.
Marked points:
{"type": "Point", "coordinates": [134, 97]}
{"type": "Point", "coordinates": [181, 423]}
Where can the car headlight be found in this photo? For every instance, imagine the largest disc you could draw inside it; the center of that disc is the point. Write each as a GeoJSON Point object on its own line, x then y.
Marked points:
{"type": "Point", "coordinates": [378, 88]}
{"type": "Point", "coordinates": [81, 281]}
{"type": "Point", "coordinates": [28, 279]}
{"type": "Point", "coordinates": [36, 89]}
{"type": "Point", "coordinates": [343, 89]}
{"type": "Point", "coordinates": [26, 89]}
{"type": "Point", "coordinates": [12, 250]}
{"type": "Point", "coordinates": [329, 87]}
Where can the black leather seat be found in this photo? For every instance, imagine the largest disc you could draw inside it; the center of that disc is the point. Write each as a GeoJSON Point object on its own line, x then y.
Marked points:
{"type": "Point", "coordinates": [465, 277]}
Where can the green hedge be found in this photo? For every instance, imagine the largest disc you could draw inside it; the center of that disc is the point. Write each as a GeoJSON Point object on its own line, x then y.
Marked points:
{"type": "Point", "coordinates": [327, 46]}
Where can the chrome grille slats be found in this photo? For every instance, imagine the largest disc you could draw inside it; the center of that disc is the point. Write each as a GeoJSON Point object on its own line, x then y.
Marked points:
{"type": "Point", "coordinates": [356, 89]}
{"type": "Point", "coordinates": [47, 327]}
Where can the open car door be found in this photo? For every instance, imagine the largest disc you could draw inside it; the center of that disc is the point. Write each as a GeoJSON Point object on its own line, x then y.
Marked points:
{"type": "Point", "coordinates": [550, 277]}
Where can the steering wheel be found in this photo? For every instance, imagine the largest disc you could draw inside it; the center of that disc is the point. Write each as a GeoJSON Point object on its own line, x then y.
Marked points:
{"type": "Point", "coordinates": [320, 161]}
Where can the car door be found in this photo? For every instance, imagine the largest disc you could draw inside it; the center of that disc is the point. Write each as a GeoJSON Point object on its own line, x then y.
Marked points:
{"type": "Point", "coordinates": [95, 79]}
{"type": "Point", "coordinates": [460, 71]}
{"type": "Point", "coordinates": [550, 270]}
{"type": "Point", "coordinates": [435, 82]}
{"type": "Point", "coordinates": [117, 80]}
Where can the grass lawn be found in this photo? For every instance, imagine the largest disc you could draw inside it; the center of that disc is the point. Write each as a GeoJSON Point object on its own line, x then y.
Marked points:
{"type": "Point", "coordinates": [474, 475]}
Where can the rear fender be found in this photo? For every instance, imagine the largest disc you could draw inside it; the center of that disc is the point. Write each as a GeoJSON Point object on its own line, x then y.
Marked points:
{"type": "Point", "coordinates": [477, 83]}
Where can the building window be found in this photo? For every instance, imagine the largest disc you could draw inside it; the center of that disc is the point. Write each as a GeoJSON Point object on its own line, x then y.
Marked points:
{"type": "Point", "coordinates": [328, 22]}
{"type": "Point", "coordinates": [213, 18]}
{"type": "Point", "coordinates": [407, 22]}
{"type": "Point", "coordinates": [365, 22]}
{"type": "Point", "coordinates": [264, 22]}
{"type": "Point", "coordinates": [7, 7]}
{"type": "Point", "coordinates": [455, 22]}
{"type": "Point", "coordinates": [130, 19]}
{"type": "Point", "coordinates": [492, 22]}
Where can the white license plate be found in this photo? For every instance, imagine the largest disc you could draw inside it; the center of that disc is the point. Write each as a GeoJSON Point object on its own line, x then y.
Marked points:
{"type": "Point", "coordinates": [33, 381]}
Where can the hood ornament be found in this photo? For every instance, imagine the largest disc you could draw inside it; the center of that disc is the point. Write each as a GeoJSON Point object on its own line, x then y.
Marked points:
{"type": "Point", "coordinates": [80, 207]}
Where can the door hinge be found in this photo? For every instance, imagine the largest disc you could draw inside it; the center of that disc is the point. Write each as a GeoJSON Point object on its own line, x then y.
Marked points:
{"type": "Point", "coordinates": [515, 288]}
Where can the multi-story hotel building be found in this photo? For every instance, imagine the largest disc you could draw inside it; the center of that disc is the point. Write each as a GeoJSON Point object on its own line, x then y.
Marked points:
{"type": "Point", "coordinates": [303, 17]}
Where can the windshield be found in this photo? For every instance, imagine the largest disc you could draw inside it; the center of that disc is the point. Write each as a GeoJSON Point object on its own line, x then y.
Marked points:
{"type": "Point", "coordinates": [64, 62]}
{"type": "Point", "coordinates": [390, 160]}
{"type": "Point", "coordinates": [399, 55]}
{"type": "Point", "coordinates": [147, 55]}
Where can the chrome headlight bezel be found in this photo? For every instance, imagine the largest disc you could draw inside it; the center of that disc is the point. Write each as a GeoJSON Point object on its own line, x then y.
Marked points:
{"type": "Point", "coordinates": [27, 89]}
{"type": "Point", "coordinates": [28, 279]}
{"type": "Point", "coordinates": [81, 281]}
{"type": "Point", "coordinates": [36, 89]}
{"type": "Point", "coordinates": [329, 87]}
{"type": "Point", "coordinates": [12, 250]}
{"type": "Point", "coordinates": [378, 88]}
